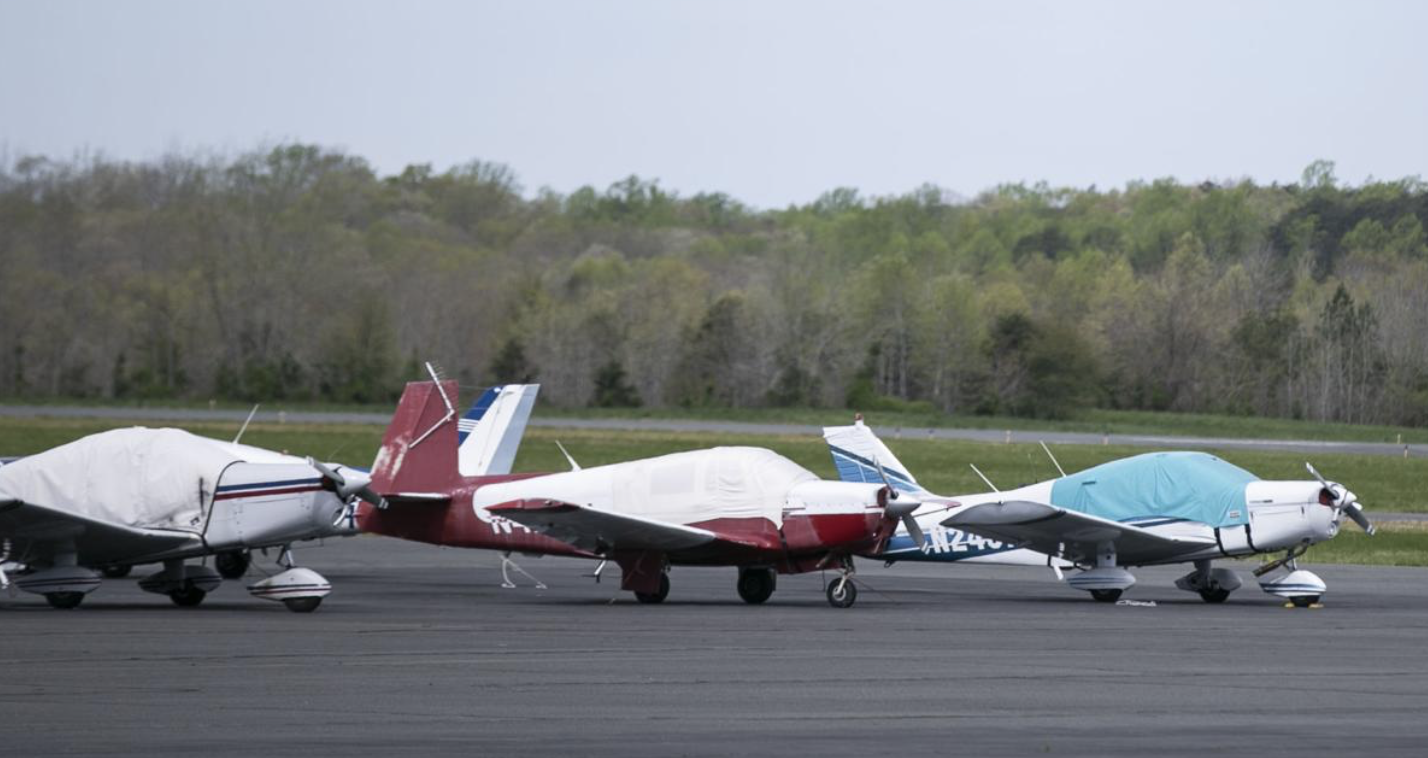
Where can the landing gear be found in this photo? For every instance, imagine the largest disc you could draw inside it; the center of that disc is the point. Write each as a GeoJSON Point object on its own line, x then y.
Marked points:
{"type": "Point", "coordinates": [232, 564]}
{"type": "Point", "coordinates": [1106, 596]}
{"type": "Point", "coordinates": [116, 572]}
{"type": "Point", "coordinates": [1215, 595]}
{"type": "Point", "coordinates": [302, 604]}
{"type": "Point", "coordinates": [64, 600]}
{"type": "Point", "coordinates": [1106, 581]}
{"type": "Point", "coordinates": [756, 584]}
{"type": "Point", "coordinates": [188, 595]}
{"type": "Point", "coordinates": [1213, 585]}
{"type": "Point", "coordinates": [842, 593]}
{"type": "Point", "coordinates": [1300, 587]}
{"type": "Point", "coordinates": [658, 596]}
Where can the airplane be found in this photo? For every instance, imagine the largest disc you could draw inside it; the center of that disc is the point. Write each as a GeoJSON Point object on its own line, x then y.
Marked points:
{"type": "Point", "coordinates": [134, 496]}
{"type": "Point", "coordinates": [1149, 509]}
{"type": "Point", "coordinates": [57, 533]}
{"type": "Point", "coordinates": [731, 506]}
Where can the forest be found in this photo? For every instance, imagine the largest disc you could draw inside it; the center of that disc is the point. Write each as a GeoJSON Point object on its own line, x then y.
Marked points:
{"type": "Point", "coordinates": [297, 272]}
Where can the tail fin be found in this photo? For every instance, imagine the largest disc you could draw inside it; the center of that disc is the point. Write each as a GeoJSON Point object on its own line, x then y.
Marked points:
{"type": "Point", "coordinates": [857, 454]}
{"type": "Point", "coordinates": [418, 453]}
{"type": "Point", "coordinates": [491, 431]}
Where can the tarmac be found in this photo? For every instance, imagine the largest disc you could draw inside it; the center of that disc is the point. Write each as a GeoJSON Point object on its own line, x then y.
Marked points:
{"type": "Point", "coordinates": [419, 650]}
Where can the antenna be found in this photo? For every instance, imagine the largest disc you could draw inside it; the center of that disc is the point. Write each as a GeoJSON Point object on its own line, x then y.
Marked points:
{"type": "Point", "coordinates": [573, 465]}
{"type": "Point", "coordinates": [450, 410]}
{"type": "Point", "coordinates": [251, 414]}
{"type": "Point", "coordinates": [1052, 457]}
{"type": "Point", "coordinates": [984, 477]}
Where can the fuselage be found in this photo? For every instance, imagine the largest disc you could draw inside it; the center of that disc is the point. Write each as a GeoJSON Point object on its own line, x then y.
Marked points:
{"type": "Point", "coordinates": [768, 510]}
{"type": "Point", "coordinates": [1258, 516]}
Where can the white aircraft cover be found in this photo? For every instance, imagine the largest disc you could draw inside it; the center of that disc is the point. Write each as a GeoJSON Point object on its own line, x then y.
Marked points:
{"type": "Point", "coordinates": [680, 488]}
{"type": "Point", "coordinates": [144, 478]}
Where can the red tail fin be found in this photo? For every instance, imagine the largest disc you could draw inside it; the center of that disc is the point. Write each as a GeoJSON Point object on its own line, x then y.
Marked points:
{"type": "Point", "coordinates": [419, 450]}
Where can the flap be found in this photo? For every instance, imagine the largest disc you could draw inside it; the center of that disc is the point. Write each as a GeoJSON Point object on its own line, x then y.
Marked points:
{"type": "Point", "coordinates": [1070, 534]}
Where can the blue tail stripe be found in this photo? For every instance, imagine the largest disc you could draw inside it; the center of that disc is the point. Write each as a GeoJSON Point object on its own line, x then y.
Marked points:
{"type": "Point", "coordinates": [478, 410]}
{"type": "Point", "coordinates": [855, 468]}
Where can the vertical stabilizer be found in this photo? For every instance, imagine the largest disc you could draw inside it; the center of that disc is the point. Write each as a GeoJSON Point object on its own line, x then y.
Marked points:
{"type": "Point", "coordinates": [492, 429]}
{"type": "Point", "coordinates": [418, 453]}
{"type": "Point", "coordinates": [857, 453]}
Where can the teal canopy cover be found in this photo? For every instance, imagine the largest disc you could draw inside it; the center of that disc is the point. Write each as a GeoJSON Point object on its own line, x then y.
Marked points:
{"type": "Point", "coordinates": [1194, 486]}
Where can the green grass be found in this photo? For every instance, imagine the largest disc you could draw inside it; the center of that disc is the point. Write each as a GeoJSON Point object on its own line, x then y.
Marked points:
{"type": "Point", "coordinates": [1092, 421]}
{"type": "Point", "coordinates": [1383, 483]}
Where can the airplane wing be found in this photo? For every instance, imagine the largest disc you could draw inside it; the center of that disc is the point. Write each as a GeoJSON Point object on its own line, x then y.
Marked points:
{"type": "Point", "coordinates": [1070, 534]}
{"type": "Point", "coordinates": [599, 530]}
{"type": "Point", "coordinates": [97, 542]}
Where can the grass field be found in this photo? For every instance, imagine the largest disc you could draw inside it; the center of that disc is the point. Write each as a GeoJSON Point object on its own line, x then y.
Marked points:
{"type": "Point", "coordinates": [1093, 421]}
{"type": "Point", "coordinates": [1383, 483]}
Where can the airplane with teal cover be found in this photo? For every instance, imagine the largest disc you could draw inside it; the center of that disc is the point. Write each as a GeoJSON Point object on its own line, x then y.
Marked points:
{"type": "Point", "coordinates": [1150, 509]}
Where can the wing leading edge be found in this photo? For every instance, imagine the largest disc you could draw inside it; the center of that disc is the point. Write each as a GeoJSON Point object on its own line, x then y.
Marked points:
{"type": "Point", "coordinates": [95, 541]}
{"type": "Point", "coordinates": [598, 530]}
{"type": "Point", "coordinates": [1070, 534]}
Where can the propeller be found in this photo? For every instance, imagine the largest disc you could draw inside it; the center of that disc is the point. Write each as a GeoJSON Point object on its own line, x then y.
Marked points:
{"type": "Point", "coordinates": [1343, 500]}
{"type": "Point", "coordinates": [347, 490]}
{"type": "Point", "coordinates": [902, 509]}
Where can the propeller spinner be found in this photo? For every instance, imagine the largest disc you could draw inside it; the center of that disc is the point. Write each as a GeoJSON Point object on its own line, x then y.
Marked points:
{"type": "Point", "coordinates": [1343, 500]}
{"type": "Point", "coordinates": [347, 490]}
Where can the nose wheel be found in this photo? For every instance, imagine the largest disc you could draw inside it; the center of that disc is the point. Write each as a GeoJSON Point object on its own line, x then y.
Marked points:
{"type": "Point", "coordinates": [842, 593]}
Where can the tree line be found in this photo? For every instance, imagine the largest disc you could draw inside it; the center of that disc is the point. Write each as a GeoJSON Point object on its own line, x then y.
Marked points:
{"type": "Point", "coordinates": [298, 272]}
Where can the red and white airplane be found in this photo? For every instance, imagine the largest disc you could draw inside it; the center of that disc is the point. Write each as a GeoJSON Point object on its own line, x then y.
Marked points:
{"type": "Point", "coordinates": [729, 506]}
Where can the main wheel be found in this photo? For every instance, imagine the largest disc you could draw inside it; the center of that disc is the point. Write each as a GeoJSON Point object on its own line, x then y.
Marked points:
{"type": "Point", "coordinates": [64, 599]}
{"type": "Point", "coordinates": [1106, 596]}
{"type": "Point", "coordinates": [302, 604]}
{"type": "Point", "coordinates": [756, 585]}
{"type": "Point", "coordinates": [1304, 601]}
{"type": "Point", "coordinates": [116, 572]}
{"type": "Point", "coordinates": [232, 564]}
{"type": "Point", "coordinates": [187, 597]}
{"type": "Point", "coordinates": [842, 593]}
{"type": "Point", "coordinates": [658, 596]}
{"type": "Point", "coordinates": [1214, 594]}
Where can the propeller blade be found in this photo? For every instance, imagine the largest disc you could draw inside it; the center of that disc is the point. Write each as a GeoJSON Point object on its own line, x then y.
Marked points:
{"type": "Point", "coordinates": [1315, 473]}
{"type": "Point", "coordinates": [915, 532]}
{"type": "Point", "coordinates": [1356, 512]}
{"type": "Point", "coordinates": [348, 490]}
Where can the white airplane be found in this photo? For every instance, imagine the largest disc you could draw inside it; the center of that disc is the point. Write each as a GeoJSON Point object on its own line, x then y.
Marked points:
{"type": "Point", "coordinates": [1150, 509]}
{"type": "Point", "coordinates": [126, 497]}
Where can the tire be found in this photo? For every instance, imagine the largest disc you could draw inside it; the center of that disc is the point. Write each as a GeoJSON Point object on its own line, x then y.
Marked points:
{"type": "Point", "coordinates": [232, 564]}
{"type": "Point", "coordinates": [1304, 601]}
{"type": "Point", "coordinates": [1106, 596]}
{"type": "Point", "coordinates": [756, 585]}
{"type": "Point", "coordinates": [842, 594]}
{"type": "Point", "coordinates": [1214, 594]}
{"type": "Point", "coordinates": [658, 596]}
{"type": "Point", "coordinates": [116, 572]}
{"type": "Point", "coordinates": [64, 600]}
{"type": "Point", "coordinates": [187, 597]}
{"type": "Point", "coordinates": [302, 604]}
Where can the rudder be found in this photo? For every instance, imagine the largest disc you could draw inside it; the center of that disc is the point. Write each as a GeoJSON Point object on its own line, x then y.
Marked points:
{"type": "Point", "coordinates": [418, 452]}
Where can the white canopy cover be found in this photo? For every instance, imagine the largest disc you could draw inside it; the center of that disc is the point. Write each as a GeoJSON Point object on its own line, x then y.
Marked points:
{"type": "Point", "coordinates": [144, 478]}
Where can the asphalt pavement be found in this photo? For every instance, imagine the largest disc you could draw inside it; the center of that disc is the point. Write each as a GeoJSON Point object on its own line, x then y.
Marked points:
{"type": "Point", "coordinates": [420, 651]}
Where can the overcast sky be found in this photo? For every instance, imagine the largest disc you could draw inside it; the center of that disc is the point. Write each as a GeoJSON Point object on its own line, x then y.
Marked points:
{"type": "Point", "coordinates": [772, 102]}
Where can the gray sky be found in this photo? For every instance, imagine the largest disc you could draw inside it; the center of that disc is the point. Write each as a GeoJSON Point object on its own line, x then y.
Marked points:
{"type": "Point", "coordinates": [773, 103]}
